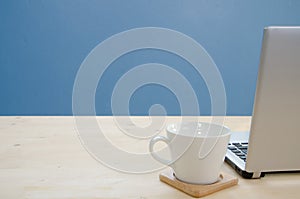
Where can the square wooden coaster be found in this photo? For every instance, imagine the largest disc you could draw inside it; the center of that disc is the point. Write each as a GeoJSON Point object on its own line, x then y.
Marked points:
{"type": "Point", "coordinates": [195, 190]}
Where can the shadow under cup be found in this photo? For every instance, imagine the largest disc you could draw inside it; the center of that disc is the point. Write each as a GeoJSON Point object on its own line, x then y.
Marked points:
{"type": "Point", "coordinates": [197, 150]}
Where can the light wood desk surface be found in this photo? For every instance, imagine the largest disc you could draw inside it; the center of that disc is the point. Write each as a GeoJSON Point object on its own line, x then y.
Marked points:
{"type": "Point", "coordinates": [42, 157]}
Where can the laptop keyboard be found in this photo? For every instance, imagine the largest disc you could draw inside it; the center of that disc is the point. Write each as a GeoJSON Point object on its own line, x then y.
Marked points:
{"type": "Point", "coordinates": [240, 149]}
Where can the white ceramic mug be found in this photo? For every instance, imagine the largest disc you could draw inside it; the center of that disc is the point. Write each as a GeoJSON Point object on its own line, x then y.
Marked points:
{"type": "Point", "coordinates": [197, 150]}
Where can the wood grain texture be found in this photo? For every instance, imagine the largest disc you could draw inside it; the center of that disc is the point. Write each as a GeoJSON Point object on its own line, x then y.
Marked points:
{"type": "Point", "coordinates": [42, 158]}
{"type": "Point", "coordinates": [195, 190]}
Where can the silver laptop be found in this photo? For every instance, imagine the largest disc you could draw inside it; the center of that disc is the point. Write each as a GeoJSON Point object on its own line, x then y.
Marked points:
{"type": "Point", "coordinates": [273, 142]}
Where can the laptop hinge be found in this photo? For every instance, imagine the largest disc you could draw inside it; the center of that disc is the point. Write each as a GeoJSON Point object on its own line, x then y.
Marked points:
{"type": "Point", "coordinates": [256, 175]}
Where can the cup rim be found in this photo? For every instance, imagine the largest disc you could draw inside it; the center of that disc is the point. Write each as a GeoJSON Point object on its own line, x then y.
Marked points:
{"type": "Point", "coordinates": [195, 135]}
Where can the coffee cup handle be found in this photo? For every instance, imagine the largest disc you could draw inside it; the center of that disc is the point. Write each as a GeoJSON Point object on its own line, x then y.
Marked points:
{"type": "Point", "coordinates": [153, 141]}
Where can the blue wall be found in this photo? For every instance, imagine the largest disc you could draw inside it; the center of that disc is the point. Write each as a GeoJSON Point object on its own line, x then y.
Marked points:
{"type": "Point", "coordinates": [42, 44]}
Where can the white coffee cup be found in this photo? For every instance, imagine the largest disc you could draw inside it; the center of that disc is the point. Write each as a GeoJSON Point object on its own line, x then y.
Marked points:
{"type": "Point", "coordinates": [197, 150]}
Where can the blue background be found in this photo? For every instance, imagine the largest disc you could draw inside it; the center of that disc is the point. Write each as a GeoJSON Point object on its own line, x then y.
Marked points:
{"type": "Point", "coordinates": [43, 43]}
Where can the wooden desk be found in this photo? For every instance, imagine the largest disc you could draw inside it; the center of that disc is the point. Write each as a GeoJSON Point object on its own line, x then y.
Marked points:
{"type": "Point", "coordinates": [42, 157]}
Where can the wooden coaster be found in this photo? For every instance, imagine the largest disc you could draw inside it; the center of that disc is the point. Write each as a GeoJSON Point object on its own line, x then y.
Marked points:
{"type": "Point", "coordinates": [195, 190]}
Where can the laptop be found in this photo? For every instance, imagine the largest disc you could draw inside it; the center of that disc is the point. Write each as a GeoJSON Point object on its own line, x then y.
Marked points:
{"type": "Point", "coordinates": [273, 141]}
